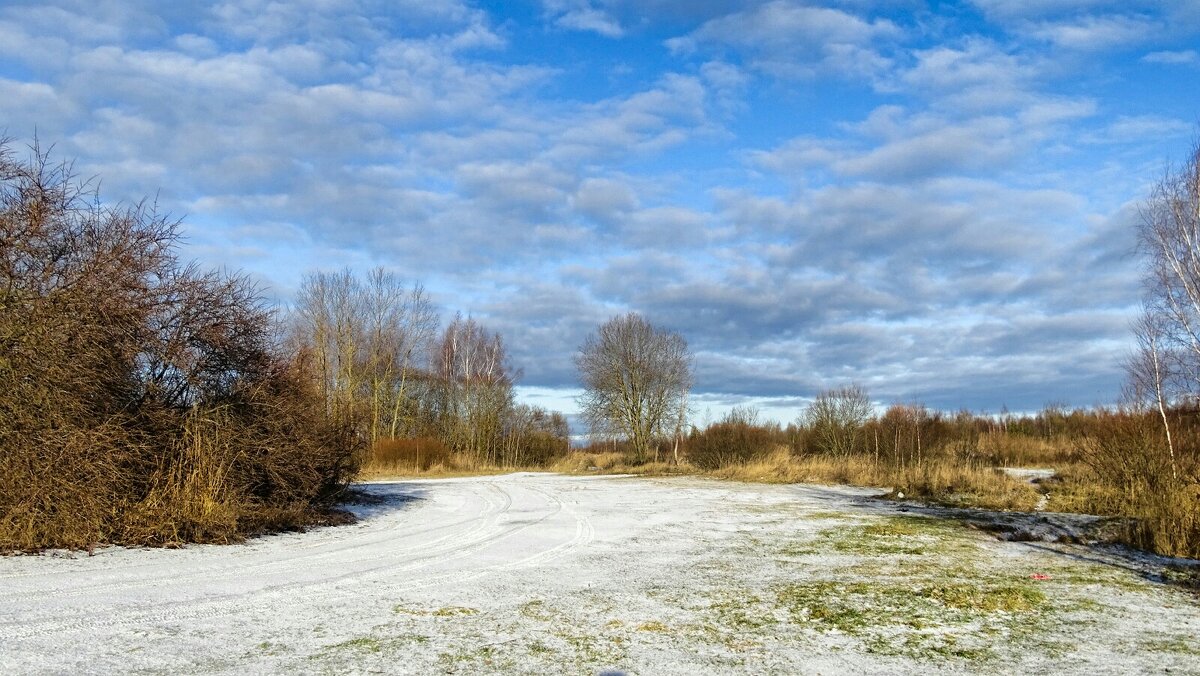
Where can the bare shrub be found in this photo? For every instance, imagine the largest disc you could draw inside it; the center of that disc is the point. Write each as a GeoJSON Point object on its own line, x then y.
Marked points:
{"type": "Point", "coordinates": [735, 439]}
{"type": "Point", "coordinates": [141, 399]}
{"type": "Point", "coordinates": [836, 417]}
{"type": "Point", "coordinates": [1128, 452]}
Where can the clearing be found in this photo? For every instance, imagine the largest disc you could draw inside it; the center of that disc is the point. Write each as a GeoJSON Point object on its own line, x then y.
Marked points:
{"type": "Point", "coordinates": [537, 573]}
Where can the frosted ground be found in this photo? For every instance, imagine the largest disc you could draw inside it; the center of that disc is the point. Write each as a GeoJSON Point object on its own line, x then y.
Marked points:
{"type": "Point", "coordinates": [534, 573]}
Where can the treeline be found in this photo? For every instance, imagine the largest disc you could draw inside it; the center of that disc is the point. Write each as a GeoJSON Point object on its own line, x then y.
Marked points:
{"type": "Point", "coordinates": [421, 396]}
{"type": "Point", "coordinates": [842, 423]}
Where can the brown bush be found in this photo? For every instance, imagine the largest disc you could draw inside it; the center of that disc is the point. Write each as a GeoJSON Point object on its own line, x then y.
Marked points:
{"type": "Point", "coordinates": [141, 399]}
{"type": "Point", "coordinates": [1018, 450]}
{"type": "Point", "coordinates": [1130, 457]}
{"type": "Point", "coordinates": [728, 443]}
{"type": "Point", "coordinates": [736, 439]}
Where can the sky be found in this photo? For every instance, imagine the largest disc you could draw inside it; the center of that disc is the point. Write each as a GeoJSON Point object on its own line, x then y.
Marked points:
{"type": "Point", "coordinates": [934, 200]}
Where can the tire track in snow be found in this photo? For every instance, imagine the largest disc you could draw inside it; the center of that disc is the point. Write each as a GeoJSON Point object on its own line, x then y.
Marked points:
{"type": "Point", "coordinates": [222, 605]}
{"type": "Point", "coordinates": [334, 545]}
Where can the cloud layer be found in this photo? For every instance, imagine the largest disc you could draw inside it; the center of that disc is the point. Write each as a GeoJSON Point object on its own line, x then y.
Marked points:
{"type": "Point", "coordinates": [933, 200]}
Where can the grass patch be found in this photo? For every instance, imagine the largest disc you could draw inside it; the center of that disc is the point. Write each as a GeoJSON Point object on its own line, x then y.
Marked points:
{"type": "Point", "coordinates": [454, 611]}
{"type": "Point", "coordinates": [973, 597]}
{"type": "Point", "coordinates": [539, 648]}
{"type": "Point", "coordinates": [920, 620]}
{"type": "Point", "coordinates": [591, 651]}
{"type": "Point", "coordinates": [903, 536]}
{"type": "Point", "coordinates": [364, 644]}
{"type": "Point", "coordinates": [654, 626]}
{"type": "Point", "coordinates": [483, 657]}
{"type": "Point", "coordinates": [742, 612]}
{"type": "Point", "coordinates": [536, 610]}
{"type": "Point", "coordinates": [445, 611]}
{"type": "Point", "coordinates": [1179, 644]}
{"type": "Point", "coordinates": [898, 527]}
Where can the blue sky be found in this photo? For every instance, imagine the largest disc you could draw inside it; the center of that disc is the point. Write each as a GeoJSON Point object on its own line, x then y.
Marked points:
{"type": "Point", "coordinates": [934, 200]}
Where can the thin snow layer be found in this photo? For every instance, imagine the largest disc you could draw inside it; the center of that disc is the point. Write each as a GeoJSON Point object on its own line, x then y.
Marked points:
{"type": "Point", "coordinates": [535, 573]}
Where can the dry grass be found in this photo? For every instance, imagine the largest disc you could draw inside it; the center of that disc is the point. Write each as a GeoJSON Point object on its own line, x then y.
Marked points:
{"type": "Point", "coordinates": [964, 485]}
{"type": "Point", "coordinates": [1077, 488]}
{"type": "Point", "coordinates": [450, 471]}
{"type": "Point", "coordinates": [417, 455]}
{"type": "Point", "coordinates": [940, 481]}
{"type": "Point", "coordinates": [582, 462]}
{"type": "Point", "coordinates": [1018, 450]}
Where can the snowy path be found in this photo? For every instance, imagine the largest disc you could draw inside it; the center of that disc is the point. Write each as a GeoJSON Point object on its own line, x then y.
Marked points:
{"type": "Point", "coordinates": [544, 573]}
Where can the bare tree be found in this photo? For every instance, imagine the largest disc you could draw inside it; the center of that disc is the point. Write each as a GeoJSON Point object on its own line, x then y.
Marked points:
{"type": "Point", "coordinates": [399, 325]}
{"type": "Point", "coordinates": [368, 337]}
{"type": "Point", "coordinates": [534, 436]}
{"type": "Point", "coordinates": [836, 417]}
{"type": "Point", "coordinates": [476, 382]}
{"type": "Point", "coordinates": [329, 316]}
{"type": "Point", "coordinates": [636, 378]}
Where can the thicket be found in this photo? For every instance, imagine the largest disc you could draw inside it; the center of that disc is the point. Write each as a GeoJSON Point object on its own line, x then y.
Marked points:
{"type": "Point", "coordinates": [142, 399]}
{"type": "Point", "coordinates": [737, 438]}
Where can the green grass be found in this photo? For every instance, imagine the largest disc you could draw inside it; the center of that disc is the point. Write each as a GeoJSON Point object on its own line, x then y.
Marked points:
{"type": "Point", "coordinates": [1009, 598]}
{"type": "Point", "coordinates": [915, 619]}
{"type": "Point", "coordinates": [742, 611]}
{"type": "Point", "coordinates": [445, 611]}
{"type": "Point", "coordinates": [893, 536]}
{"type": "Point", "coordinates": [363, 644]}
{"type": "Point", "coordinates": [454, 611]}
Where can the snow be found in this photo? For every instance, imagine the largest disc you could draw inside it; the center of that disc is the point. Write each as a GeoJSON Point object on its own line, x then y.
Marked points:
{"type": "Point", "coordinates": [538, 573]}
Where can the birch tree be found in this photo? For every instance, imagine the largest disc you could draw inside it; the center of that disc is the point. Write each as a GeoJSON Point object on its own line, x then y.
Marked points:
{"type": "Point", "coordinates": [1165, 369]}
{"type": "Point", "coordinates": [476, 388]}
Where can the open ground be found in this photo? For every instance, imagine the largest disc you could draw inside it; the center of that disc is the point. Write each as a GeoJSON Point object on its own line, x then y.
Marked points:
{"type": "Point", "coordinates": [538, 573]}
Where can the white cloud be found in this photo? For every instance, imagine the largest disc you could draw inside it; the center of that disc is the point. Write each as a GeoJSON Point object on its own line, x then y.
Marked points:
{"type": "Point", "coordinates": [581, 15]}
{"type": "Point", "coordinates": [1134, 128]}
{"type": "Point", "coordinates": [977, 75]}
{"type": "Point", "coordinates": [1186, 57]}
{"type": "Point", "coordinates": [799, 235]}
{"type": "Point", "coordinates": [591, 20]}
{"type": "Point", "coordinates": [1095, 33]}
{"type": "Point", "coordinates": [605, 200]}
{"type": "Point", "coordinates": [794, 39]}
{"type": "Point", "coordinates": [1006, 11]}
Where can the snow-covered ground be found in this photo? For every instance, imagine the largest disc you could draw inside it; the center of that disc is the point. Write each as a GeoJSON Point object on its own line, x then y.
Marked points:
{"type": "Point", "coordinates": [534, 573]}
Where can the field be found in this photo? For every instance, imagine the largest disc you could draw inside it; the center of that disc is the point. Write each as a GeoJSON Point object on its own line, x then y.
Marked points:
{"type": "Point", "coordinates": [539, 573]}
